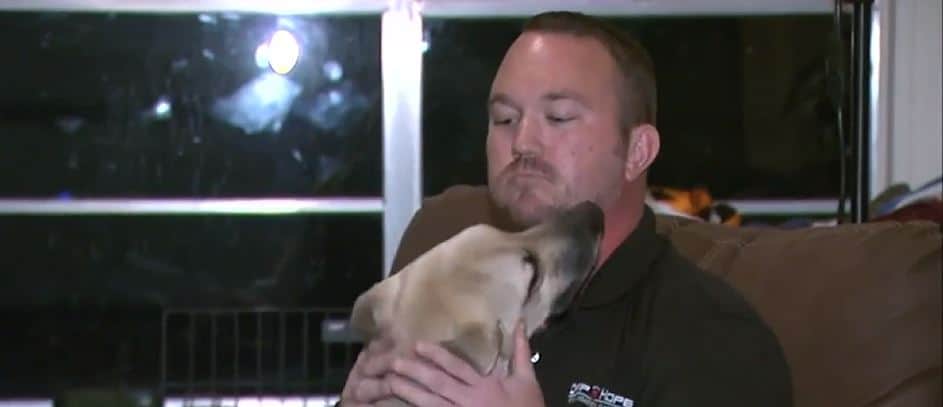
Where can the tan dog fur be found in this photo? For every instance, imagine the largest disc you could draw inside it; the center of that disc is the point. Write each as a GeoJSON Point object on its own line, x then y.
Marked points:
{"type": "Point", "coordinates": [468, 292]}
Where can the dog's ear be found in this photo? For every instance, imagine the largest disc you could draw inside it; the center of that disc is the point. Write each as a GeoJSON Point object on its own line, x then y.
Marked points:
{"type": "Point", "coordinates": [370, 312]}
{"type": "Point", "coordinates": [479, 345]}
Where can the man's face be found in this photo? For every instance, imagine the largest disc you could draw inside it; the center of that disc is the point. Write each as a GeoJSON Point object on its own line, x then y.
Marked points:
{"type": "Point", "coordinates": [554, 134]}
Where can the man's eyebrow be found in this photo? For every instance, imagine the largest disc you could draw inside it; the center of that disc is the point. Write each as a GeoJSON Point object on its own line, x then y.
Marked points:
{"type": "Point", "coordinates": [502, 99]}
{"type": "Point", "coordinates": [564, 94]}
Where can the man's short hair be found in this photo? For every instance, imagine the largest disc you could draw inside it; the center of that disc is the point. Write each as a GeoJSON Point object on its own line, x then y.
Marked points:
{"type": "Point", "coordinates": [639, 94]}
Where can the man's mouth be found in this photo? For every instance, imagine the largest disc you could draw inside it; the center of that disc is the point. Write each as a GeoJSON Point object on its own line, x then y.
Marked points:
{"type": "Point", "coordinates": [526, 176]}
{"type": "Point", "coordinates": [529, 174]}
{"type": "Point", "coordinates": [530, 167]}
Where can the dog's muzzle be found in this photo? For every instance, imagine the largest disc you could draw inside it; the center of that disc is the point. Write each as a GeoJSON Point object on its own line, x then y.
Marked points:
{"type": "Point", "coordinates": [582, 227]}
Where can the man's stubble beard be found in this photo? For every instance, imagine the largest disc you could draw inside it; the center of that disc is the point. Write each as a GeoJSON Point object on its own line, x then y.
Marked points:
{"type": "Point", "coordinates": [511, 195]}
{"type": "Point", "coordinates": [528, 205]}
{"type": "Point", "coordinates": [509, 189]}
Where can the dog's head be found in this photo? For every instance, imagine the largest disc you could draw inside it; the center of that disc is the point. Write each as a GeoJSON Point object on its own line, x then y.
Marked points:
{"type": "Point", "coordinates": [537, 271]}
{"type": "Point", "coordinates": [460, 291]}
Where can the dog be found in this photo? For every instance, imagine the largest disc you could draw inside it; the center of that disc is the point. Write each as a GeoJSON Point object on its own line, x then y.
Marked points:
{"type": "Point", "coordinates": [468, 292]}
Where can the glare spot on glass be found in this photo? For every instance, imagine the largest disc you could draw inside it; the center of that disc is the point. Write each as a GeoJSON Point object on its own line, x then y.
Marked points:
{"type": "Point", "coordinates": [208, 54]}
{"type": "Point", "coordinates": [179, 64]}
{"type": "Point", "coordinates": [70, 124]}
{"type": "Point", "coordinates": [261, 55]}
{"type": "Point", "coordinates": [162, 107]}
{"type": "Point", "coordinates": [296, 155]}
{"type": "Point", "coordinates": [335, 97]}
{"type": "Point", "coordinates": [207, 18]}
{"type": "Point", "coordinates": [333, 70]}
{"type": "Point", "coordinates": [425, 41]}
{"type": "Point", "coordinates": [283, 52]}
{"type": "Point", "coordinates": [259, 105]}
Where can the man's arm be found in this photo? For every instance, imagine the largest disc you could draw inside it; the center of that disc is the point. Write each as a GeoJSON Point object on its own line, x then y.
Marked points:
{"type": "Point", "coordinates": [440, 217]}
{"type": "Point", "coordinates": [418, 237]}
{"type": "Point", "coordinates": [722, 361]}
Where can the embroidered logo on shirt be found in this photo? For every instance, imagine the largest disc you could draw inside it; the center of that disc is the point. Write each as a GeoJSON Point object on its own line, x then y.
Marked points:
{"type": "Point", "coordinates": [595, 396]}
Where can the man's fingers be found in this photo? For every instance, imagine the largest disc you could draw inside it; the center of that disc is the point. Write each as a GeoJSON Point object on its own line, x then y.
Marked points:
{"type": "Point", "coordinates": [452, 364]}
{"type": "Point", "coordinates": [429, 376]}
{"type": "Point", "coordinates": [369, 390]}
{"type": "Point", "coordinates": [364, 385]}
{"type": "Point", "coordinates": [520, 363]}
{"type": "Point", "coordinates": [373, 359]}
{"type": "Point", "coordinates": [415, 394]}
{"type": "Point", "coordinates": [379, 345]}
{"type": "Point", "coordinates": [376, 364]}
{"type": "Point", "coordinates": [353, 379]}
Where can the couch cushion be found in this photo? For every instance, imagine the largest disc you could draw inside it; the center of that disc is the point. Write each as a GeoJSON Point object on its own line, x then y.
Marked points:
{"type": "Point", "coordinates": [856, 307]}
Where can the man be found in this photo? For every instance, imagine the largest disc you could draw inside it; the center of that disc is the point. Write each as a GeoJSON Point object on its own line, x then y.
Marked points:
{"type": "Point", "coordinates": [572, 118]}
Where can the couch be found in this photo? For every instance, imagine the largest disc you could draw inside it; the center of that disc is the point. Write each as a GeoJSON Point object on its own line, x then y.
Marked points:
{"type": "Point", "coordinates": [856, 307]}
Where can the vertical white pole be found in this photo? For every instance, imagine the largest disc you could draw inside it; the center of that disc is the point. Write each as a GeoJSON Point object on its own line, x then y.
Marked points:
{"type": "Point", "coordinates": [878, 105]}
{"type": "Point", "coordinates": [401, 61]}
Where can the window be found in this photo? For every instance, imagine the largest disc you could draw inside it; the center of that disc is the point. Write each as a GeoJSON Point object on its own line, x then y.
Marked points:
{"type": "Point", "coordinates": [182, 106]}
{"type": "Point", "coordinates": [190, 105]}
{"type": "Point", "coordinates": [193, 107]}
{"type": "Point", "coordinates": [83, 297]}
{"type": "Point", "coordinates": [744, 108]}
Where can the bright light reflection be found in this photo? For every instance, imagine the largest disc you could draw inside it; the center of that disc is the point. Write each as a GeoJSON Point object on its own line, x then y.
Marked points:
{"type": "Point", "coordinates": [283, 52]}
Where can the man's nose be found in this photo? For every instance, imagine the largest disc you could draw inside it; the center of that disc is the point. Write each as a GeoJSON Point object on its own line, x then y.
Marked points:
{"type": "Point", "coordinates": [527, 139]}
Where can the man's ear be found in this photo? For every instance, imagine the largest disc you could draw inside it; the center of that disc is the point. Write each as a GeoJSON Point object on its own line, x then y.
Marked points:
{"type": "Point", "coordinates": [371, 310]}
{"type": "Point", "coordinates": [644, 143]}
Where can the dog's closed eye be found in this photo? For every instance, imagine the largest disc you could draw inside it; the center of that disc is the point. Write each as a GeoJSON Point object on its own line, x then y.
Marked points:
{"type": "Point", "coordinates": [533, 264]}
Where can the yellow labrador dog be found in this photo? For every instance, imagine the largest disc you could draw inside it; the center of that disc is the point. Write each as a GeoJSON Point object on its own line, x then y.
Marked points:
{"type": "Point", "coordinates": [468, 292]}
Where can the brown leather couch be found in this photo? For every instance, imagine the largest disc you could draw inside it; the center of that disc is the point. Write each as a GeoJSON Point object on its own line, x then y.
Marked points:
{"type": "Point", "coordinates": [856, 307]}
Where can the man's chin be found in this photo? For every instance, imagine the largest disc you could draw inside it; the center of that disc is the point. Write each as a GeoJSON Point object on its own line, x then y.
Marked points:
{"type": "Point", "coordinates": [525, 219]}
{"type": "Point", "coordinates": [526, 206]}
{"type": "Point", "coordinates": [528, 210]}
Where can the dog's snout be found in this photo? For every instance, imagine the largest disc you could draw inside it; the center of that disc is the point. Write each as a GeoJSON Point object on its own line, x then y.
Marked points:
{"type": "Point", "coordinates": [582, 228]}
{"type": "Point", "coordinates": [585, 217]}
{"type": "Point", "coordinates": [590, 216]}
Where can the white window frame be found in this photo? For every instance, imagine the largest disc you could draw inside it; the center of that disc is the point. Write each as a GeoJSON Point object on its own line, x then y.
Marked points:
{"type": "Point", "coordinates": [402, 110]}
{"type": "Point", "coordinates": [401, 58]}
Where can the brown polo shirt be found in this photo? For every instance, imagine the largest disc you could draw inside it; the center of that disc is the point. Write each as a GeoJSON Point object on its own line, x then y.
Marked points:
{"type": "Point", "coordinates": [651, 329]}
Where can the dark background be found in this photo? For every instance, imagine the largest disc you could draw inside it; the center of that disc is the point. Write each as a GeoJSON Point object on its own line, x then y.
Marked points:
{"type": "Point", "coordinates": [743, 104]}
{"type": "Point", "coordinates": [743, 111]}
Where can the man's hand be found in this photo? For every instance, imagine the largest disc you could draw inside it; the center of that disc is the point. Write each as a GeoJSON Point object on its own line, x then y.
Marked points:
{"type": "Point", "coordinates": [450, 381]}
{"type": "Point", "coordinates": [365, 384]}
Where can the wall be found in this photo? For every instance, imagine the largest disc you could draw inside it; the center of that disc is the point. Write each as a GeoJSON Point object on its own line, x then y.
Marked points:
{"type": "Point", "coordinates": [910, 134]}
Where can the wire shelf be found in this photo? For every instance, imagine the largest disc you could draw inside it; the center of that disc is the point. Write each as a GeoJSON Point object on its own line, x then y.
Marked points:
{"type": "Point", "coordinates": [209, 356]}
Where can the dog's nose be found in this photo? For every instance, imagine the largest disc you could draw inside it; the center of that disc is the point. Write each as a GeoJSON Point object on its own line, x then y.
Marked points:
{"type": "Point", "coordinates": [588, 215]}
